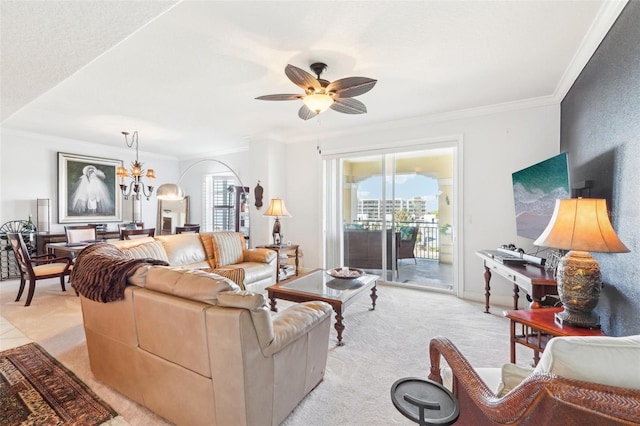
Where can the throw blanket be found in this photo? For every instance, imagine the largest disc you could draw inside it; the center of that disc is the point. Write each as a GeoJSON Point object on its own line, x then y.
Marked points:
{"type": "Point", "coordinates": [101, 270]}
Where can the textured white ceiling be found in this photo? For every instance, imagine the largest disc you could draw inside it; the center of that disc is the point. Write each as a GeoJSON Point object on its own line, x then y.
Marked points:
{"type": "Point", "coordinates": [185, 74]}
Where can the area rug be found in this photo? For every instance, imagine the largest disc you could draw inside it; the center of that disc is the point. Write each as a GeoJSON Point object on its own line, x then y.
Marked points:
{"type": "Point", "coordinates": [35, 389]}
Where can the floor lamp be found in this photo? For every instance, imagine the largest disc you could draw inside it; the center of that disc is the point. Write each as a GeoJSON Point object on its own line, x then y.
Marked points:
{"type": "Point", "coordinates": [173, 191]}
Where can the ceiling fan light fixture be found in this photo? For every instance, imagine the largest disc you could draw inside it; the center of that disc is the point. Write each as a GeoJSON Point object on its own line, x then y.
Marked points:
{"type": "Point", "coordinates": [318, 102]}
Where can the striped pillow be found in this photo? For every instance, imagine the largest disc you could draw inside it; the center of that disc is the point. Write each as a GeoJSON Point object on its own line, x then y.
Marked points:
{"type": "Point", "coordinates": [151, 250]}
{"type": "Point", "coordinates": [228, 248]}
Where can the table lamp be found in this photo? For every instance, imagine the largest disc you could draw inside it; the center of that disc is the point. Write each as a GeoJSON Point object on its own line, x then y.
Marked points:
{"type": "Point", "coordinates": [277, 208]}
{"type": "Point", "coordinates": [580, 225]}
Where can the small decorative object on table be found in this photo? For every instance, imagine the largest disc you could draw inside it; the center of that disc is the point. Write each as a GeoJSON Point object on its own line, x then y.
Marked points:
{"type": "Point", "coordinates": [346, 273]}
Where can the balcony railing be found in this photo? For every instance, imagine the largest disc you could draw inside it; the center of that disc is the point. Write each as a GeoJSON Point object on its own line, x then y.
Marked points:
{"type": "Point", "coordinates": [428, 240]}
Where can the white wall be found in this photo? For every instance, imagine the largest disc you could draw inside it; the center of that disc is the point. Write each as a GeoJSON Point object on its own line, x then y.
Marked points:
{"type": "Point", "coordinates": [29, 170]}
{"type": "Point", "coordinates": [495, 145]}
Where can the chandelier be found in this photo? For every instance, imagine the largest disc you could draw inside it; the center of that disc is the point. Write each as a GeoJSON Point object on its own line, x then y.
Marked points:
{"type": "Point", "coordinates": [135, 174]}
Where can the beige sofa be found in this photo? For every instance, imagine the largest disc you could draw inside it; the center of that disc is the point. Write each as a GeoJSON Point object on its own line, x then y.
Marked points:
{"type": "Point", "coordinates": [195, 349]}
{"type": "Point", "coordinates": [220, 252]}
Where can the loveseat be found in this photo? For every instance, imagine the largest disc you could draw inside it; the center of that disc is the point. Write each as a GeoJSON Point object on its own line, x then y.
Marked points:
{"type": "Point", "coordinates": [221, 252]}
{"type": "Point", "coordinates": [578, 381]}
{"type": "Point", "coordinates": [194, 348]}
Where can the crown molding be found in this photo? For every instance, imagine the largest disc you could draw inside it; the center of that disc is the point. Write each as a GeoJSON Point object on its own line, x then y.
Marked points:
{"type": "Point", "coordinates": [604, 20]}
{"type": "Point", "coordinates": [606, 17]}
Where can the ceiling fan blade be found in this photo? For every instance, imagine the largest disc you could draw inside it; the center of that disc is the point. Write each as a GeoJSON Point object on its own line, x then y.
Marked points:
{"type": "Point", "coordinates": [279, 97]}
{"type": "Point", "coordinates": [351, 86]}
{"type": "Point", "coordinates": [349, 106]}
{"type": "Point", "coordinates": [305, 113]}
{"type": "Point", "coordinates": [301, 78]}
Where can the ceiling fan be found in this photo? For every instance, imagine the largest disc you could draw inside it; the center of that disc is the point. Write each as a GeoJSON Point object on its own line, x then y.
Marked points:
{"type": "Point", "coordinates": [321, 94]}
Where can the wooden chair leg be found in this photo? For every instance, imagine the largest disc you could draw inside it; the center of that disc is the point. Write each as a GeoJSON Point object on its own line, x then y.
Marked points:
{"type": "Point", "coordinates": [32, 289]}
{"type": "Point", "coordinates": [21, 289]}
{"type": "Point", "coordinates": [62, 283]}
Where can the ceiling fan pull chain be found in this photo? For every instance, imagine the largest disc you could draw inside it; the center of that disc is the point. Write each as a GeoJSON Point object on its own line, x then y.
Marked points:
{"type": "Point", "coordinates": [318, 141]}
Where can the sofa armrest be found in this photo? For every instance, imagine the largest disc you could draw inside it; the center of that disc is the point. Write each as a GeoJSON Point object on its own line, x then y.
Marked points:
{"type": "Point", "coordinates": [260, 255]}
{"type": "Point", "coordinates": [294, 322]}
{"type": "Point", "coordinates": [278, 332]}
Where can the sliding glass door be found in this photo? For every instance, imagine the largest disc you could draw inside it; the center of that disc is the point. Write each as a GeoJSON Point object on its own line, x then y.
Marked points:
{"type": "Point", "coordinates": [393, 215]}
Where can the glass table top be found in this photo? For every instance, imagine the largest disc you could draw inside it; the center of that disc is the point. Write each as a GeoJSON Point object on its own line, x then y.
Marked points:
{"type": "Point", "coordinates": [319, 283]}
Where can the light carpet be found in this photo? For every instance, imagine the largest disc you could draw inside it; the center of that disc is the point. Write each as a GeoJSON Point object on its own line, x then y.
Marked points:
{"type": "Point", "coordinates": [381, 346]}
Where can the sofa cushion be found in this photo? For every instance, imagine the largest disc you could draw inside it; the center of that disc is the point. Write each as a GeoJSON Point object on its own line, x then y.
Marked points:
{"type": "Point", "coordinates": [599, 359]}
{"type": "Point", "coordinates": [184, 250]}
{"type": "Point", "coordinates": [188, 283]}
{"type": "Point", "coordinates": [150, 250]}
{"type": "Point", "coordinates": [228, 247]}
{"type": "Point", "coordinates": [512, 375]}
{"type": "Point", "coordinates": [489, 375]}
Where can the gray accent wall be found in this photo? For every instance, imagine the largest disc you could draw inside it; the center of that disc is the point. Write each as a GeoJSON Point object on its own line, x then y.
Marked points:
{"type": "Point", "coordinates": [600, 131]}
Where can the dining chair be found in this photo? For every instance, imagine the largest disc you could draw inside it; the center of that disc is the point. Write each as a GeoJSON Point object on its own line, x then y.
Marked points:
{"type": "Point", "coordinates": [126, 234]}
{"type": "Point", "coordinates": [80, 233]}
{"type": "Point", "coordinates": [188, 227]}
{"type": "Point", "coordinates": [36, 267]}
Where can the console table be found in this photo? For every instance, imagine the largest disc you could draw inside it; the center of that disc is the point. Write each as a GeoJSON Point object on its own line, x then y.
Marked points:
{"type": "Point", "coordinates": [537, 327]}
{"type": "Point", "coordinates": [533, 279]}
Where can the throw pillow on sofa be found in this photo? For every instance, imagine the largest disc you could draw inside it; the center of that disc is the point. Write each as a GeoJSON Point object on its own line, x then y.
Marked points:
{"type": "Point", "coordinates": [150, 250]}
{"type": "Point", "coordinates": [228, 248]}
{"type": "Point", "coordinates": [207, 243]}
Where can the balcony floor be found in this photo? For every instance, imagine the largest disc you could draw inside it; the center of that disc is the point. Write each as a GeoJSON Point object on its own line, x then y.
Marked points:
{"type": "Point", "coordinates": [424, 273]}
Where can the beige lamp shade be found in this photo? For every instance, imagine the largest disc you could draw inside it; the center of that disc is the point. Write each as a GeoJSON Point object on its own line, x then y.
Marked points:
{"type": "Point", "coordinates": [277, 208]}
{"type": "Point", "coordinates": [581, 224]}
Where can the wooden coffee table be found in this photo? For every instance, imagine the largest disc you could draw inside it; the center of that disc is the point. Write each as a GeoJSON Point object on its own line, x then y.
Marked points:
{"type": "Point", "coordinates": [318, 285]}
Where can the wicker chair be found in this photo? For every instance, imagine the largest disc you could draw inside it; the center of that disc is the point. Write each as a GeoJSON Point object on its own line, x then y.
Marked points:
{"type": "Point", "coordinates": [407, 243]}
{"type": "Point", "coordinates": [540, 399]}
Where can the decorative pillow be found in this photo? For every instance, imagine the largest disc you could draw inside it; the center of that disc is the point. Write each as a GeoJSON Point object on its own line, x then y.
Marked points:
{"type": "Point", "coordinates": [207, 242]}
{"type": "Point", "coordinates": [406, 232]}
{"type": "Point", "coordinates": [228, 247]}
{"type": "Point", "coordinates": [512, 375]}
{"type": "Point", "coordinates": [150, 250]}
{"type": "Point", "coordinates": [606, 360]}
{"type": "Point", "coordinates": [234, 274]}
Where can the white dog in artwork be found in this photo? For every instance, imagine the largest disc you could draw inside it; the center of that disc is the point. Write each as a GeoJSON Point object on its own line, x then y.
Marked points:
{"type": "Point", "coordinates": [91, 195]}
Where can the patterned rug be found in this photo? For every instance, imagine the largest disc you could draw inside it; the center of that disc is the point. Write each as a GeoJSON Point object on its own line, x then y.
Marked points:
{"type": "Point", "coordinates": [35, 389]}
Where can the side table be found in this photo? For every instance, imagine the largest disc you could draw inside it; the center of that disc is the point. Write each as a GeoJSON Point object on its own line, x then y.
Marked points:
{"type": "Point", "coordinates": [537, 327]}
{"type": "Point", "coordinates": [285, 252]}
